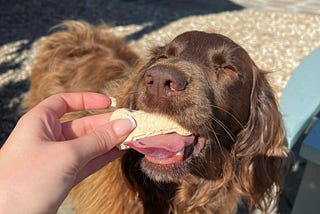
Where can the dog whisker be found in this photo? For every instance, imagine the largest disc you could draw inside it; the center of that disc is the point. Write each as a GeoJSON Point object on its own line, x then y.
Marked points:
{"type": "Point", "coordinates": [225, 128]}
{"type": "Point", "coordinates": [229, 113]}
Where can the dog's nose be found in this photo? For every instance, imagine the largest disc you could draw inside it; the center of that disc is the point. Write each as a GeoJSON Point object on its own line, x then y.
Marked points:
{"type": "Point", "coordinates": [164, 81]}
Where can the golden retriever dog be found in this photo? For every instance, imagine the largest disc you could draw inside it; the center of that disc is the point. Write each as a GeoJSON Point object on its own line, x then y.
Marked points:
{"type": "Point", "coordinates": [205, 82]}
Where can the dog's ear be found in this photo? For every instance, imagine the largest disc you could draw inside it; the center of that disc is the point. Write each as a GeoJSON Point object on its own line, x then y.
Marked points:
{"type": "Point", "coordinates": [259, 149]}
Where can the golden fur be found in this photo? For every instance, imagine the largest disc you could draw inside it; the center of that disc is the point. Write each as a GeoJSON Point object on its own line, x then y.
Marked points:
{"type": "Point", "coordinates": [232, 108]}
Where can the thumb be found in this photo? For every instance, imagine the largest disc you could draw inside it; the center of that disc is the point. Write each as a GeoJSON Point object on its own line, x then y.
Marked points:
{"type": "Point", "coordinates": [103, 139]}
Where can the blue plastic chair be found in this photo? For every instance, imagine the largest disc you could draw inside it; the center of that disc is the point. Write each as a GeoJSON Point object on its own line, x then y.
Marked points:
{"type": "Point", "coordinates": [300, 106]}
{"type": "Point", "coordinates": [300, 101]}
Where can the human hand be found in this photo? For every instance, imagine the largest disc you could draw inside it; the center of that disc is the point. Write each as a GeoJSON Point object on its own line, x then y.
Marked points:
{"type": "Point", "coordinates": [43, 158]}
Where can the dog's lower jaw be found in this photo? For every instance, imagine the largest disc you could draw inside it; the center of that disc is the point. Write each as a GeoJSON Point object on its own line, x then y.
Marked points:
{"type": "Point", "coordinates": [174, 172]}
{"type": "Point", "coordinates": [163, 173]}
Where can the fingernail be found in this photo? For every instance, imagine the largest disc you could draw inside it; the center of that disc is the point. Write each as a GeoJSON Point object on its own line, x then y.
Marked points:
{"type": "Point", "coordinates": [133, 121]}
{"type": "Point", "coordinates": [113, 102]}
{"type": "Point", "coordinates": [123, 126]}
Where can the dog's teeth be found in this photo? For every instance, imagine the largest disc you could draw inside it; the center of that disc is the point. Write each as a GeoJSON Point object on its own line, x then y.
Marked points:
{"type": "Point", "coordinates": [180, 152]}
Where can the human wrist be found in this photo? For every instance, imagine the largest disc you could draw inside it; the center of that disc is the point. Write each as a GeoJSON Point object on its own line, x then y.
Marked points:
{"type": "Point", "coordinates": [15, 202]}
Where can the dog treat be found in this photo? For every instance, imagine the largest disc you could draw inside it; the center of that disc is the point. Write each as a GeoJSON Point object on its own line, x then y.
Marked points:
{"type": "Point", "coordinates": [148, 124]}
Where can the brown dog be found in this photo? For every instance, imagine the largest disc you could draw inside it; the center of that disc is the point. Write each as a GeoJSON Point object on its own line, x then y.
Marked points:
{"type": "Point", "coordinates": [205, 82]}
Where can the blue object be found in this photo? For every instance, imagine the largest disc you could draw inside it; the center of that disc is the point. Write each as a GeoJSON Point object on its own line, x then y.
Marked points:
{"type": "Point", "coordinates": [310, 148]}
{"type": "Point", "coordinates": [300, 106]}
{"type": "Point", "coordinates": [300, 101]}
{"type": "Point", "coordinates": [308, 196]}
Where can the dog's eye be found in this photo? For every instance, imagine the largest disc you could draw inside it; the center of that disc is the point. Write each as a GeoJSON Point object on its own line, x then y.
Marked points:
{"type": "Point", "coordinates": [162, 56]}
{"type": "Point", "coordinates": [224, 68]}
{"type": "Point", "coordinates": [229, 69]}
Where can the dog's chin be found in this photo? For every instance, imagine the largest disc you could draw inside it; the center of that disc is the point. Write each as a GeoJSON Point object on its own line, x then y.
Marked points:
{"type": "Point", "coordinates": [174, 168]}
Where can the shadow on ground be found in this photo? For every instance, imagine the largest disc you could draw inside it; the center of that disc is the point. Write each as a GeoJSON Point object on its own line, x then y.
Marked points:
{"type": "Point", "coordinates": [29, 20]}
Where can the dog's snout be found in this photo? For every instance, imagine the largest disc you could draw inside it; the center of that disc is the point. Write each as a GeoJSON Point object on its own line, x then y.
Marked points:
{"type": "Point", "coordinates": [164, 81]}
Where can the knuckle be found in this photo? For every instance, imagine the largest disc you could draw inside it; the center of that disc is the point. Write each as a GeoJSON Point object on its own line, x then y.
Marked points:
{"type": "Point", "coordinates": [103, 140]}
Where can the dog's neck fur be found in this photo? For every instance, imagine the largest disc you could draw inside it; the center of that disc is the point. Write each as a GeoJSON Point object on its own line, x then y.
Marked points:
{"type": "Point", "coordinates": [162, 198]}
{"type": "Point", "coordinates": [156, 197]}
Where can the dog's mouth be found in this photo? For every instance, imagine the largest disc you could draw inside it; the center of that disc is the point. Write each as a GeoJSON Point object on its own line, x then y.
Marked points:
{"type": "Point", "coordinates": [167, 149]}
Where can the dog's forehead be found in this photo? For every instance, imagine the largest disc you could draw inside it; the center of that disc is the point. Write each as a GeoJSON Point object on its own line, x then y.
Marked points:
{"type": "Point", "coordinates": [194, 39]}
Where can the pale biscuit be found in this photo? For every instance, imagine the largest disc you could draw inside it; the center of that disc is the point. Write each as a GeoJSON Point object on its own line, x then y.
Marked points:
{"type": "Point", "coordinates": [148, 124]}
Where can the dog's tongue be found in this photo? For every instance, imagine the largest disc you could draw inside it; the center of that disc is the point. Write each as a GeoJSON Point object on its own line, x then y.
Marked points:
{"type": "Point", "coordinates": [161, 146]}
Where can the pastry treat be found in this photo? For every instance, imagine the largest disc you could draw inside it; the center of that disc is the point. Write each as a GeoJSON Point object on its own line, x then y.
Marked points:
{"type": "Point", "coordinates": [148, 124]}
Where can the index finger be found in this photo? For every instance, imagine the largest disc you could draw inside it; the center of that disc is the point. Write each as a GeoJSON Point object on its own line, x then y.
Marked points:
{"type": "Point", "coordinates": [67, 102]}
{"type": "Point", "coordinates": [82, 126]}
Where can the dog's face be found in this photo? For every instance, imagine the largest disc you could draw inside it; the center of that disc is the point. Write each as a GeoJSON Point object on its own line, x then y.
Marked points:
{"type": "Point", "coordinates": [197, 78]}
{"type": "Point", "coordinates": [204, 82]}
{"type": "Point", "coordinates": [209, 85]}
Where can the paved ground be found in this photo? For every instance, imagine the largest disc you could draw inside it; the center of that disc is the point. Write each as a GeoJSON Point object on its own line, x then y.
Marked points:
{"type": "Point", "coordinates": [23, 22]}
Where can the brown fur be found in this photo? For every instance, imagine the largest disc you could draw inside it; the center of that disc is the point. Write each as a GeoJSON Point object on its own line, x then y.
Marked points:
{"type": "Point", "coordinates": [222, 97]}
